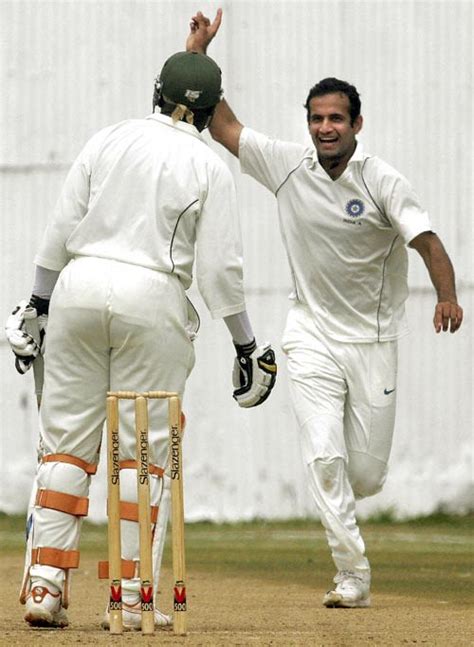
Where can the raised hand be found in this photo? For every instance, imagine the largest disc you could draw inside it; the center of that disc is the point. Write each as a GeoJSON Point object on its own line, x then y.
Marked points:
{"type": "Point", "coordinates": [202, 31]}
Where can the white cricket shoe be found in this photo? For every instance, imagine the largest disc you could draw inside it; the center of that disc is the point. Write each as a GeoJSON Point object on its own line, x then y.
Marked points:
{"type": "Point", "coordinates": [132, 617]}
{"type": "Point", "coordinates": [352, 590]}
{"type": "Point", "coordinates": [44, 607]}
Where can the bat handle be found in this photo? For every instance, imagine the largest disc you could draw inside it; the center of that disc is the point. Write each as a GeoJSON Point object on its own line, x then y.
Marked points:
{"type": "Point", "coordinates": [32, 328]}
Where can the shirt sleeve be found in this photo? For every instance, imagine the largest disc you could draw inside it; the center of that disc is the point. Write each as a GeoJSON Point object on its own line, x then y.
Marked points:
{"type": "Point", "coordinates": [44, 282]}
{"type": "Point", "coordinates": [70, 208]}
{"type": "Point", "coordinates": [219, 264]}
{"type": "Point", "coordinates": [404, 211]}
{"type": "Point", "coordinates": [269, 161]}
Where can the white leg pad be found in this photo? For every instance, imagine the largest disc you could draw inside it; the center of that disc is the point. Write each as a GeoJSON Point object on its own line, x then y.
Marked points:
{"type": "Point", "coordinates": [53, 528]}
{"type": "Point", "coordinates": [129, 529]}
{"type": "Point", "coordinates": [159, 536]}
{"type": "Point", "coordinates": [29, 537]}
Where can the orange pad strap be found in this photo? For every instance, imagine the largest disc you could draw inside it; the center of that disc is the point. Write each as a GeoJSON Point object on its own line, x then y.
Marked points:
{"type": "Point", "coordinates": [129, 511]}
{"type": "Point", "coordinates": [130, 569]}
{"type": "Point", "coordinates": [76, 505]}
{"type": "Point", "coordinates": [89, 468]}
{"type": "Point", "coordinates": [55, 557]}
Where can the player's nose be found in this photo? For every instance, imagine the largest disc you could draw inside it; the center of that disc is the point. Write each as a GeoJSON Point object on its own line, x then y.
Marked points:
{"type": "Point", "coordinates": [325, 126]}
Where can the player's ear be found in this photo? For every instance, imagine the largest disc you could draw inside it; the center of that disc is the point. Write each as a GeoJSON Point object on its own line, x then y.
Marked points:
{"type": "Point", "coordinates": [358, 123]}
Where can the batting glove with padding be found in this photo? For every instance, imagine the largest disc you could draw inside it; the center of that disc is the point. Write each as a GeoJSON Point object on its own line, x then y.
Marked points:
{"type": "Point", "coordinates": [23, 345]}
{"type": "Point", "coordinates": [254, 374]}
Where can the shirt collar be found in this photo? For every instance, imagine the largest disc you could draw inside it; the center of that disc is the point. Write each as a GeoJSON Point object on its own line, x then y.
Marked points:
{"type": "Point", "coordinates": [180, 125]}
{"type": "Point", "coordinates": [358, 155]}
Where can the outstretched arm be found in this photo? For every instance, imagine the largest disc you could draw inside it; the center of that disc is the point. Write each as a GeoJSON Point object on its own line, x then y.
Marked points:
{"type": "Point", "coordinates": [224, 127]}
{"type": "Point", "coordinates": [448, 314]}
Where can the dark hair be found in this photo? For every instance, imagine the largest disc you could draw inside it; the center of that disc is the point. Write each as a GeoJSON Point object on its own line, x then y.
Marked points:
{"type": "Point", "coordinates": [331, 86]}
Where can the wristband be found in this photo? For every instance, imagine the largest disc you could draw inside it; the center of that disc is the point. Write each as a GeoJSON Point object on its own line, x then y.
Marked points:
{"type": "Point", "coordinates": [245, 350]}
{"type": "Point", "coordinates": [41, 305]}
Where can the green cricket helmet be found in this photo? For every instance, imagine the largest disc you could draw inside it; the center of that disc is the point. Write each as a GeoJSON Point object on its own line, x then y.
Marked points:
{"type": "Point", "coordinates": [191, 79]}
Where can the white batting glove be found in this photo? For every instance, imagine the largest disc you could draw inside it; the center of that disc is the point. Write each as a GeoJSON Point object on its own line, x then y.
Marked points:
{"type": "Point", "coordinates": [23, 345]}
{"type": "Point", "coordinates": [254, 374]}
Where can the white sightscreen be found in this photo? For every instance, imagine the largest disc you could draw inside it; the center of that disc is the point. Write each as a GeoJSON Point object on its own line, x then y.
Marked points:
{"type": "Point", "coordinates": [69, 68]}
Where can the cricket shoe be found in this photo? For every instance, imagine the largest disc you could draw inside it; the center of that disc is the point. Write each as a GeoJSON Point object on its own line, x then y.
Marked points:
{"type": "Point", "coordinates": [132, 617]}
{"type": "Point", "coordinates": [44, 606]}
{"type": "Point", "coordinates": [352, 590]}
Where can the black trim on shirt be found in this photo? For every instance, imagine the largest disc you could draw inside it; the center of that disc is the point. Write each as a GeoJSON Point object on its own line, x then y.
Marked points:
{"type": "Point", "coordinates": [387, 220]}
{"type": "Point", "coordinates": [175, 229]}
{"type": "Point", "coordinates": [291, 172]}
{"type": "Point", "coordinates": [382, 286]}
{"type": "Point", "coordinates": [374, 201]}
{"type": "Point", "coordinates": [309, 157]}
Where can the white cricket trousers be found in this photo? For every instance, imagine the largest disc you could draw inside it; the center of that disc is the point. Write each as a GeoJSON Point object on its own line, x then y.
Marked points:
{"type": "Point", "coordinates": [343, 396]}
{"type": "Point", "coordinates": [112, 326]}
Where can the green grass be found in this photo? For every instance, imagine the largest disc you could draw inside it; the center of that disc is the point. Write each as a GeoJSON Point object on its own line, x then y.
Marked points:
{"type": "Point", "coordinates": [431, 556]}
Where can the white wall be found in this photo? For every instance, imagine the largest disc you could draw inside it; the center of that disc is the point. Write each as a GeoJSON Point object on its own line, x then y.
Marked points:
{"type": "Point", "coordinates": [69, 68]}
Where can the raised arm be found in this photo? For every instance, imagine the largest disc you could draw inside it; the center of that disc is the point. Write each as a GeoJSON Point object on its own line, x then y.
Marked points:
{"type": "Point", "coordinates": [224, 127]}
{"type": "Point", "coordinates": [448, 314]}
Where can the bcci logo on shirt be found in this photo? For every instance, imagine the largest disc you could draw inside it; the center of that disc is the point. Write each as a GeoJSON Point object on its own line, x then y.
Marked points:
{"type": "Point", "coordinates": [355, 208]}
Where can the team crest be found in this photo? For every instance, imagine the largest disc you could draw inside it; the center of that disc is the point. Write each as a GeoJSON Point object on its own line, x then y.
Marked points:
{"type": "Point", "coordinates": [192, 95]}
{"type": "Point", "coordinates": [355, 208]}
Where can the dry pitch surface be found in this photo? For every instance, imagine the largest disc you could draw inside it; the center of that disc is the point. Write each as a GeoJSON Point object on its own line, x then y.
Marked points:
{"type": "Point", "coordinates": [276, 604]}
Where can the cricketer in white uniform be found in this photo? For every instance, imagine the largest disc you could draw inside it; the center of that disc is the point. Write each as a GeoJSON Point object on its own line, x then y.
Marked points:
{"type": "Point", "coordinates": [345, 218]}
{"type": "Point", "coordinates": [144, 197]}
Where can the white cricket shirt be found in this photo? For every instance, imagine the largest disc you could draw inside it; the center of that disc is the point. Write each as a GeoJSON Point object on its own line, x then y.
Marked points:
{"type": "Point", "coordinates": [345, 238]}
{"type": "Point", "coordinates": [147, 192]}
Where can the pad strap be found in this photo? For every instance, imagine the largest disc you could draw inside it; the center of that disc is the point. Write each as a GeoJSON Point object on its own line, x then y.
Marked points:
{"type": "Point", "coordinates": [89, 468]}
{"type": "Point", "coordinates": [55, 557]}
{"type": "Point", "coordinates": [129, 511]}
{"type": "Point", "coordinates": [130, 569]}
{"type": "Point", "coordinates": [69, 503]}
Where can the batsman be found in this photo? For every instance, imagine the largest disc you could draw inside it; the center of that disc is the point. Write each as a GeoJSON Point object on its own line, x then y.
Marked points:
{"type": "Point", "coordinates": [143, 201]}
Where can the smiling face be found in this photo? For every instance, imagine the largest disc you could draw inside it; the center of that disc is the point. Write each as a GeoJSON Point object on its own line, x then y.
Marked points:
{"type": "Point", "coordinates": [332, 131]}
